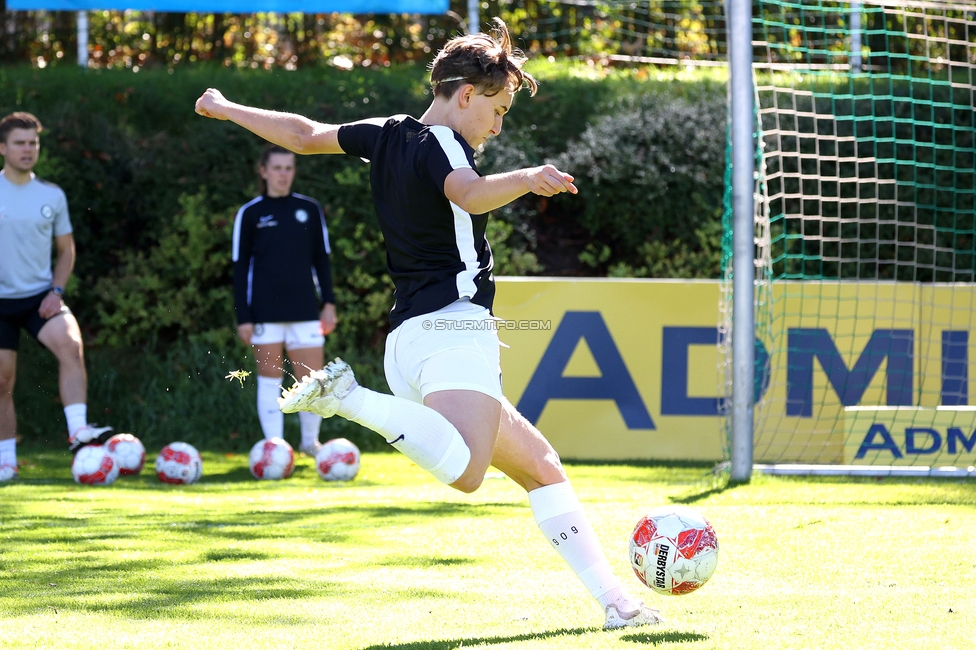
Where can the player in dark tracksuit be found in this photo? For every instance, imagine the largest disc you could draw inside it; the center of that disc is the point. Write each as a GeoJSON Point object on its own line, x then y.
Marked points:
{"type": "Point", "coordinates": [283, 293]}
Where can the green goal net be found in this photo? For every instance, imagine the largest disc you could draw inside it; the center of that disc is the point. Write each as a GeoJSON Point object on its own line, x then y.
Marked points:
{"type": "Point", "coordinates": [865, 230]}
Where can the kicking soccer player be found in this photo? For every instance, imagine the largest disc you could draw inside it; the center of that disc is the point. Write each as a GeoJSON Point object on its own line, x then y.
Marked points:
{"type": "Point", "coordinates": [447, 412]}
{"type": "Point", "coordinates": [33, 214]}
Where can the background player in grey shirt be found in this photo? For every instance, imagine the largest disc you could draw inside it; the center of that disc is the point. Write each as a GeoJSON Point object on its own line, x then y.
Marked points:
{"type": "Point", "coordinates": [32, 212]}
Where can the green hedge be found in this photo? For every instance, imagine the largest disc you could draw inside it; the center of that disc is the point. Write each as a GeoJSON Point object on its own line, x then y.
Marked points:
{"type": "Point", "coordinates": [153, 189]}
{"type": "Point", "coordinates": [180, 392]}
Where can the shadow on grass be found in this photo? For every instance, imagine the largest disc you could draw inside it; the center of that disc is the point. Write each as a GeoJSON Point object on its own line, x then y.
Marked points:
{"type": "Point", "coordinates": [440, 508]}
{"type": "Point", "coordinates": [471, 642]}
{"type": "Point", "coordinates": [702, 494]}
{"type": "Point", "coordinates": [136, 590]}
{"type": "Point", "coordinates": [645, 638]}
{"type": "Point", "coordinates": [231, 475]}
{"type": "Point", "coordinates": [714, 482]}
{"type": "Point", "coordinates": [424, 561]}
{"type": "Point", "coordinates": [100, 531]}
{"type": "Point", "coordinates": [233, 554]}
{"type": "Point", "coordinates": [661, 637]}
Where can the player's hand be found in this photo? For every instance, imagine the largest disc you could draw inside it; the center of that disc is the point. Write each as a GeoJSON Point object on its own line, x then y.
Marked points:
{"type": "Point", "coordinates": [547, 180]}
{"type": "Point", "coordinates": [327, 319]}
{"type": "Point", "coordinates": [212, 104]}
{"type": "Point", "coordinates": [245, 331]}
{"type": "Point", "coordinates": [50, 306]}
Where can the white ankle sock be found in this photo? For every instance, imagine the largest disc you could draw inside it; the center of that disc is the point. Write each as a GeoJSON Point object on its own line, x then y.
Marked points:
{"type": "Point", "coordinates": [77, 416]}
{"type": "Point", "coordinates": [271, 418]}
{"type": "Point", "coordinates": [310, 427]}
{"type": "Point", "coordinates": [8, 452]}
{"type": "Point", "coordinates": [420, 433]}
{"type": "Point", "coordinates": [562, 520]}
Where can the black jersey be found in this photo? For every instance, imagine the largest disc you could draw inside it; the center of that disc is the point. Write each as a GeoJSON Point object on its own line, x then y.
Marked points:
{"type": "Point", "coordinates": [281, 260]}
{"type": "Point", "coordinates": [435, 251]}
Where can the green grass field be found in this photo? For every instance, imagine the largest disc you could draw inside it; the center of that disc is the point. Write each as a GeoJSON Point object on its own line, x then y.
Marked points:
{"type": "Point", "coordinates": [396, 560]}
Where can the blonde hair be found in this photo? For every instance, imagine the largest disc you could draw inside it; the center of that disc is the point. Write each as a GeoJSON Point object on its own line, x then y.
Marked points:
{"type": "Point", "coordinates": [486, 61]}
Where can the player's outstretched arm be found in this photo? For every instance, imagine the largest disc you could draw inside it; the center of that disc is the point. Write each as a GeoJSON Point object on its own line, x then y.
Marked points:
{"type": "Point", "coordinates": [293, 132]}
{"type": "Point", "coordinates": [479, 194]}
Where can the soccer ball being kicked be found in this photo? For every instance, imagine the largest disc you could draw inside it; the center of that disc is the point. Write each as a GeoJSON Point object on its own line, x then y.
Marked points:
{"type": "Point", "coordinates": [673, 550]}
{"type": "Point", "coordinates": [179, 462]}
{"type": "Point", "coordinates": [271, 459]}
{"type": "Point", "coordinates": [95, 465]}
{"type": "Point", "coordinates": [337, 460]}
{"type": "Point", "coordinates": [129, 451]}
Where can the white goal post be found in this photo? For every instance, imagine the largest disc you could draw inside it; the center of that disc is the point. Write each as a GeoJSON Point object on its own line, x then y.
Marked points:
{"type": "Point", "coordinates": [849, 291]}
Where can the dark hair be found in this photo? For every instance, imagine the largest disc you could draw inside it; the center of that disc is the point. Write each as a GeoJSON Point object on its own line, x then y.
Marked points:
{"type": "Point", "coordinates": [269, 150]}
{"type": "Point", "coordinates": [487, 61]}
{"type": "Point", "coordinates": [19, 120]}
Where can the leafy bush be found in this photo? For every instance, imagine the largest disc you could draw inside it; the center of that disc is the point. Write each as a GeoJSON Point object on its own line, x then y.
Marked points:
{"type": "Point", "coordinates": [651, 186]}
{"type": "Point", "coordinates": [180, 392]}
{"type": "Point", "coordinates": [153, 189]}
{"type": "Point", "coordinates": [180, 286]}
{"type": "Point", "coordinates": [129, 151]}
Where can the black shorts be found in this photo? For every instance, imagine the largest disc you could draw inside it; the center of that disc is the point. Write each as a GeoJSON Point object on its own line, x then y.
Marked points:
{"type": "Point", "coordinates": [16, 313]}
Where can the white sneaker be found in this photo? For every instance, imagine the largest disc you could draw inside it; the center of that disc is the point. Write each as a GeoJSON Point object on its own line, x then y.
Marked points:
{"type": "Point", "coordinates": [90, 434]}
{"type": "Point", "coordinates": [643, 616]}
{"type": "Point", "coordinates": [311, 449]}
{"type": "Point", "coordinates": [8, 472]}
{"type": "Point", "coordinates": [320, 391]}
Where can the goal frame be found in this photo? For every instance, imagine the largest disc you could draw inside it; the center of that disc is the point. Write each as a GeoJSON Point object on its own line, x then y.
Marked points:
{"type": "Point", "coordinates": [740, 331]}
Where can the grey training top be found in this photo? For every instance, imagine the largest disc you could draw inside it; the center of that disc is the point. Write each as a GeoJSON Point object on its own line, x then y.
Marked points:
{"type": "Point", "coordinates": [31, 216]}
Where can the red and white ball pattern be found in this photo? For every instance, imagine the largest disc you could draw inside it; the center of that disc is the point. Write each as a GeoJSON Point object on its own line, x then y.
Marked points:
{"type": "Point", "coordinates": [337, 460]}
{"type": "Point", "coordinates": [129, 451]}
{"type": "Point", "coordinates": [95, 465]}
{"type": "Point", "coordinates": [271, 459]}
{"type": "Point", "coordinates": [179, 462]}
{"type": "Point", "coordinates": [673, 550]}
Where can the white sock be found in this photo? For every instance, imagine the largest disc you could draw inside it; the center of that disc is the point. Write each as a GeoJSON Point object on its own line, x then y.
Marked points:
{"type": "Point", "coordinates": [562, 520]}
{"type": "Point", "coordinates": [8, 452]}
{"type": "Point", "coordinates": [77, 416]}
{"type": "Point", "coordinates": [310, 427]}
{"type": "Point", "coordinates": [420, 433]}
{"type": "Point", "coordinates": [271, 418]}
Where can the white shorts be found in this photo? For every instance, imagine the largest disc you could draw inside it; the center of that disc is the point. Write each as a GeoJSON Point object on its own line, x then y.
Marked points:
{"type": "Point", "coordinates": [302, 334]}
{"type": "Point", "coordinates": [454, 348]}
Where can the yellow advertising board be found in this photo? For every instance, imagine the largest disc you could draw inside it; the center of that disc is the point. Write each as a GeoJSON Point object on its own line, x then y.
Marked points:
{"type": "Point", "coordinates": [886, 348]}
{"type": "Point", "coordinates": [628, 369]}
{"type": "Point", "coordinates": [615, 369]}
{"type": "Point", "coordinates": [909, 435]}
{"type": "Point", "coordinates": [817, 325]}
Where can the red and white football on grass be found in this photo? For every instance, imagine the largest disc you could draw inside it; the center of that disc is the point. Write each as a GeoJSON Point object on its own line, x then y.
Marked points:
{"type": "Point", "coordinates": [129, 451]}
{"type": "Point", "coordinates": [95, 465]}
{"type": "Point", "coordinates": [673, 550]}
{"type": "Point", "coordinates": [179, 462]}
{"type": "Point", "coordinates": [337, 460]}
{"type": "Point", "coordinates": [271, 459]}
